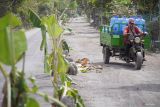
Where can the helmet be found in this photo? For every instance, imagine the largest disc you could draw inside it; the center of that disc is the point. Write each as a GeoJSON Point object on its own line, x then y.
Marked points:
{"type": "Point", "coordinates": [131, 21]}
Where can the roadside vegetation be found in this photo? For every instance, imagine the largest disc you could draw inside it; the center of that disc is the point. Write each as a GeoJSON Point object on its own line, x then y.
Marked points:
{"type": "Point", "coordinates": [50, 16]}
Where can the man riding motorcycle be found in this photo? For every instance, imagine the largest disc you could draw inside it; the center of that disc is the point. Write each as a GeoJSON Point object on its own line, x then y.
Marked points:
{"type": "Point", "coordinates": [131, 29]}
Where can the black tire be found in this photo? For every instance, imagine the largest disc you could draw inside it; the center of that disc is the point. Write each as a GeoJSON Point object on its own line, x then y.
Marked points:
{"type": "Point", "coordinates": [106, 55]}
{"type": "Point", "coordinates": [139, 61]}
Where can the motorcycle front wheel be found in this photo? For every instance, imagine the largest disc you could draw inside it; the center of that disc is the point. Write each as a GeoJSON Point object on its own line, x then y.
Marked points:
{"type": "Point", "coordinates": [139, 61]}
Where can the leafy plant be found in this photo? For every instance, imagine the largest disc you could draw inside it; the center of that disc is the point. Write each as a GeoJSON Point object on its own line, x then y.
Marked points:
{"type": "Point", "coordinates": [67, 90]}
{"type": "Point", "coordinates": [12, 48]}
{"type": "Point", "coordinates": [56, 61]}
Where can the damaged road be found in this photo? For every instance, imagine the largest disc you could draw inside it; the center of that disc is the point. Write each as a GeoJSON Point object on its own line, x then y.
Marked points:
{"type": "Point", "coordinates": [117, 84]}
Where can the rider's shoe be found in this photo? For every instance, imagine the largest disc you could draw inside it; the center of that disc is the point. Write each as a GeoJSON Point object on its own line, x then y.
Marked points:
{"type": "Point", "coordinates": [128, 61]}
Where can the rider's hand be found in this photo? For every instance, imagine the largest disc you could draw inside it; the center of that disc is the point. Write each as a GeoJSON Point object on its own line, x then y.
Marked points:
{"type": "Point", "coordinates": [128, 33]}
{"type": "Point", "coordinates": [145, 33]}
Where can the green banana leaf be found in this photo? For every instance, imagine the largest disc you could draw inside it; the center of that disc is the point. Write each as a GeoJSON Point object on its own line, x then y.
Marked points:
{"type": "Point", "coordinates": [32, 103]}
{"type": "Point", "coordinates": [12, 43]}
{"type": "Point", "coordinates": [34, 18]}
{"type": "Point", "coordinates": [62, 64]}
{"type": "Point", "coordinates": [9, 20]}
{"type": "Point", "coordinates": [52, 26]}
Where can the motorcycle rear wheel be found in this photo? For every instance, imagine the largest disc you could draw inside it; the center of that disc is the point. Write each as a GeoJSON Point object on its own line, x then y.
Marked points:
{"type": "Point", "coordinates": [106, 55]}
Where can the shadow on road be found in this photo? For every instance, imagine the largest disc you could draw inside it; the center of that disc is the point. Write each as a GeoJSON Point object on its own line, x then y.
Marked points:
{"type": "Point", "coordinates": [116, 65]}
{"type": "Point", "coordinates": [124, 65]}
{"type": "Point", "coordinates": [79, 22]}
{"type": "Point", "coordinates": [89, 32]}
{"type": "Point", "coordinates": [141, 87]}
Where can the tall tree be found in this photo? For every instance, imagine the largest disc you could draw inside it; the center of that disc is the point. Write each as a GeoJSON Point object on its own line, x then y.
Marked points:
{"type": "Point", "coordinates": [146, 6]}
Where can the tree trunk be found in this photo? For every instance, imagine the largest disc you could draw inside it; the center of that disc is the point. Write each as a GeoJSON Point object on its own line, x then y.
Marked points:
{"type": "Point", "coordinates": [159, 7]}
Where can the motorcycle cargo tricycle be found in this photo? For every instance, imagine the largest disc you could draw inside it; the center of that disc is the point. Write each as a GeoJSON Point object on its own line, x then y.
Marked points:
{"type": "Point", "coordinates": [111, 38]}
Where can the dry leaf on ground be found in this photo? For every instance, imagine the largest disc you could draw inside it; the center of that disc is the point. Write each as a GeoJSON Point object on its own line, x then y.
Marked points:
{"type": "Point", "coordinates": [84, 61]}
